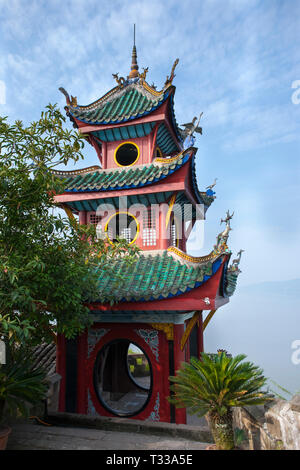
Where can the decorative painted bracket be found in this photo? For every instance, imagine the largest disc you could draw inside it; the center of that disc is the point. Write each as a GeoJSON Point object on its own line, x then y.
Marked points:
{"type": "Point", "coordinates": [167, 328]}
{"type": "Point", "coordinates": [195, 319]}
{"type": "Point", "coordinates": [172, 202]}
{"type": "Point", "coordinates": [151, 338]}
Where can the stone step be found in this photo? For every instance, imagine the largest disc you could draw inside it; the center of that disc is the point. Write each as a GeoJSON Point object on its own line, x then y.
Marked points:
{"type": "Point", "coordinates": [199, 433]}
{"type": "Point", "coordinates": [31, 436]}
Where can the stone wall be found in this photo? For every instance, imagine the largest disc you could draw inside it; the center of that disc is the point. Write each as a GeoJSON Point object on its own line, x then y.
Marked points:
{"type": "Point", "coordinates": [272, 427]}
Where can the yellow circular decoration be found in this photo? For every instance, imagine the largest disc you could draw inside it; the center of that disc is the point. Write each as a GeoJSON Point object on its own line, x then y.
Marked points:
{"type": "Point", "coordinates": [121, 145]}
{"type": "Point", "coordinates": [130, 215]}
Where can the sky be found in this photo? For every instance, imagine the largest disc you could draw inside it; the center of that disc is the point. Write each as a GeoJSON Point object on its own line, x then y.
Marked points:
{"type": "Point", "coordinates": [238, 61]}
{"type": "Point", "coordinates": [239, 64]}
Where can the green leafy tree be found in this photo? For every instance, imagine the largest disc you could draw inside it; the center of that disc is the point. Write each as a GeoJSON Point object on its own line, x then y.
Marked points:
{"type": "Point", "coordinates": [214, 385]}
{"type": "Point", "coordinates": [48, 262]}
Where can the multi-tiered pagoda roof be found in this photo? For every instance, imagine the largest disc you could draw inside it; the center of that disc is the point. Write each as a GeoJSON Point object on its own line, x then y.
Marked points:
{"type": "Point", "coordinates": [133, 110]}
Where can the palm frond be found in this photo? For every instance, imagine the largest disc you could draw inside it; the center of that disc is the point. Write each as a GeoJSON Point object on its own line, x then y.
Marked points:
{"type": "Point", "coordinates": [218, 382]}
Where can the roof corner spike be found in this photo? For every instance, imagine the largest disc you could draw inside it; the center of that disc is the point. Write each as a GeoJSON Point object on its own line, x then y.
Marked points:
{"type": "Point", "coordinates": [66, 94]}
{"type": "Point", "coordinates": [170, 78]}
{"type": "Point", "coordinates": [134, 72]}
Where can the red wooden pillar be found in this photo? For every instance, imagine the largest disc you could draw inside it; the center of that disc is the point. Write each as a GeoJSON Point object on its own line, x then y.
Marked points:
{"type": "Point", "coordinates": [104, 155]}
{"type": "Point", "coordinates": [153, 142]}
{"type": "Point", "coordinates": [163, 232]}
{"type": "Point", "coordinates": [187, 346]}
{"type": "Point", "coordinates": [179, 357]}
{"type": "Point", "coordinates": [82, 218]}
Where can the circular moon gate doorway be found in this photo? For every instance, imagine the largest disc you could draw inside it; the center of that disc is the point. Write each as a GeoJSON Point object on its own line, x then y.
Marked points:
{"type": "Point", "coordinates": [123, 378]}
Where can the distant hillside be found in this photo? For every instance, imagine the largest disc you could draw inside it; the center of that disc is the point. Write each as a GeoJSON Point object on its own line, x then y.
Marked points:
{"type": "Point", "coordinates": [284, 288]}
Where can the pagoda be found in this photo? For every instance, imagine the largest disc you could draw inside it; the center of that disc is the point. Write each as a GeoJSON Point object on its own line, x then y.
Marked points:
{"type": "Point", "coordinates": [143, 189]}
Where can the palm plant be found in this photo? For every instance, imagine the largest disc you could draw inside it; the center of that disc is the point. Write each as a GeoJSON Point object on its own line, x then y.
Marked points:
{"type": "Point", "coordinates": [20, 383]}
{"type": "Point", "coordinates": [213, 385]}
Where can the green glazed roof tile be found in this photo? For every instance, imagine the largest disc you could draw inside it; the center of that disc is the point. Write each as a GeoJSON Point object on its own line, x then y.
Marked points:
{"type": "Point", "coordinates": [231, 281]}
{"type": "Point", "coordinates": [102, 180]}
{"type": "Point", "coordinates": [153, 277]}
{"type": "Point", "coordinates": [129, 103]}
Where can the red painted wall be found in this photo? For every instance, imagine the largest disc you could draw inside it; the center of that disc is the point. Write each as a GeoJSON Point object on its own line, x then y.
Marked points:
{"type": "Point", "coordinates": [162, 239]}
{"type": "Point", "coordinates": [179, 357]}
{"type": "Point", "coordinates": [160, 369]}
{"type": "Point", "coordinates": [144, 145]}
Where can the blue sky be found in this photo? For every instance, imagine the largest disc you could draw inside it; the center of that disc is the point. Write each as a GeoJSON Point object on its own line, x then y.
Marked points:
{"type": "Point", "coordinates": [238, 61]}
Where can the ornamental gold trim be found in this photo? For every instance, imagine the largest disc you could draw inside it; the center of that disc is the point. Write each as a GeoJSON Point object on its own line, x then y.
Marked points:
{"type": "Point", "coordinates": [76, 172]}
{"type": "Point", "coordinates": [172, 202]}
{"type": "Point", "coordinates": [169, 160]}
{"type": "Point", "coordinates": [167, 328]}
{"type": "Point", "coordinates": [151, 90]}
{"type": "Point", "coordinates": [193, 259]}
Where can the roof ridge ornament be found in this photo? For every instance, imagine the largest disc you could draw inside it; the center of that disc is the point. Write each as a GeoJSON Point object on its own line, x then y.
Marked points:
{"type": "Point", "coordinates": [209, 189]}
{"type": "Point", "coordinates": [234, 267]}
{"type": "Point", "coordinates": [222, 238]}
{"type": "Point", "coordinates": [70, 102]}
{"type": "Point", "coordinates": [120, 80]}
{"type": "Point", "coordinates": [227, 218]}
{"type": "Point", "coordinates": [188, 133]}
{"type": "Point", "coordinates": [142, 76]}
{"type": "Point", "coordinates": [212, 185]}
{"type": "Point", "coordinates": [134, 72]}
{"type": "Point", "coordinates": [170, 78]}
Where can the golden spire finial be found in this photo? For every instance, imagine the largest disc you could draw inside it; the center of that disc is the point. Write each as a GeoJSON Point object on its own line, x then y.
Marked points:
{"type": "Point", "coordinates": [134, 65]}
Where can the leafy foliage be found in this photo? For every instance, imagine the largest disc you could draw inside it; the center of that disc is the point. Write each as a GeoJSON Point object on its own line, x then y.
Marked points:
{"type": "Point", "coordinates": [213, 385]}
{"type": "Point", "coordinates": [216, 383]}
{"type": "Point", "coordinates": [48, 263]}
{"type": "Point", "coordinates": [288, 394]}
{"type": "Point", "coordinates": [20, 383]}
{"type": "Point", "coordinates": [240, 436]}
